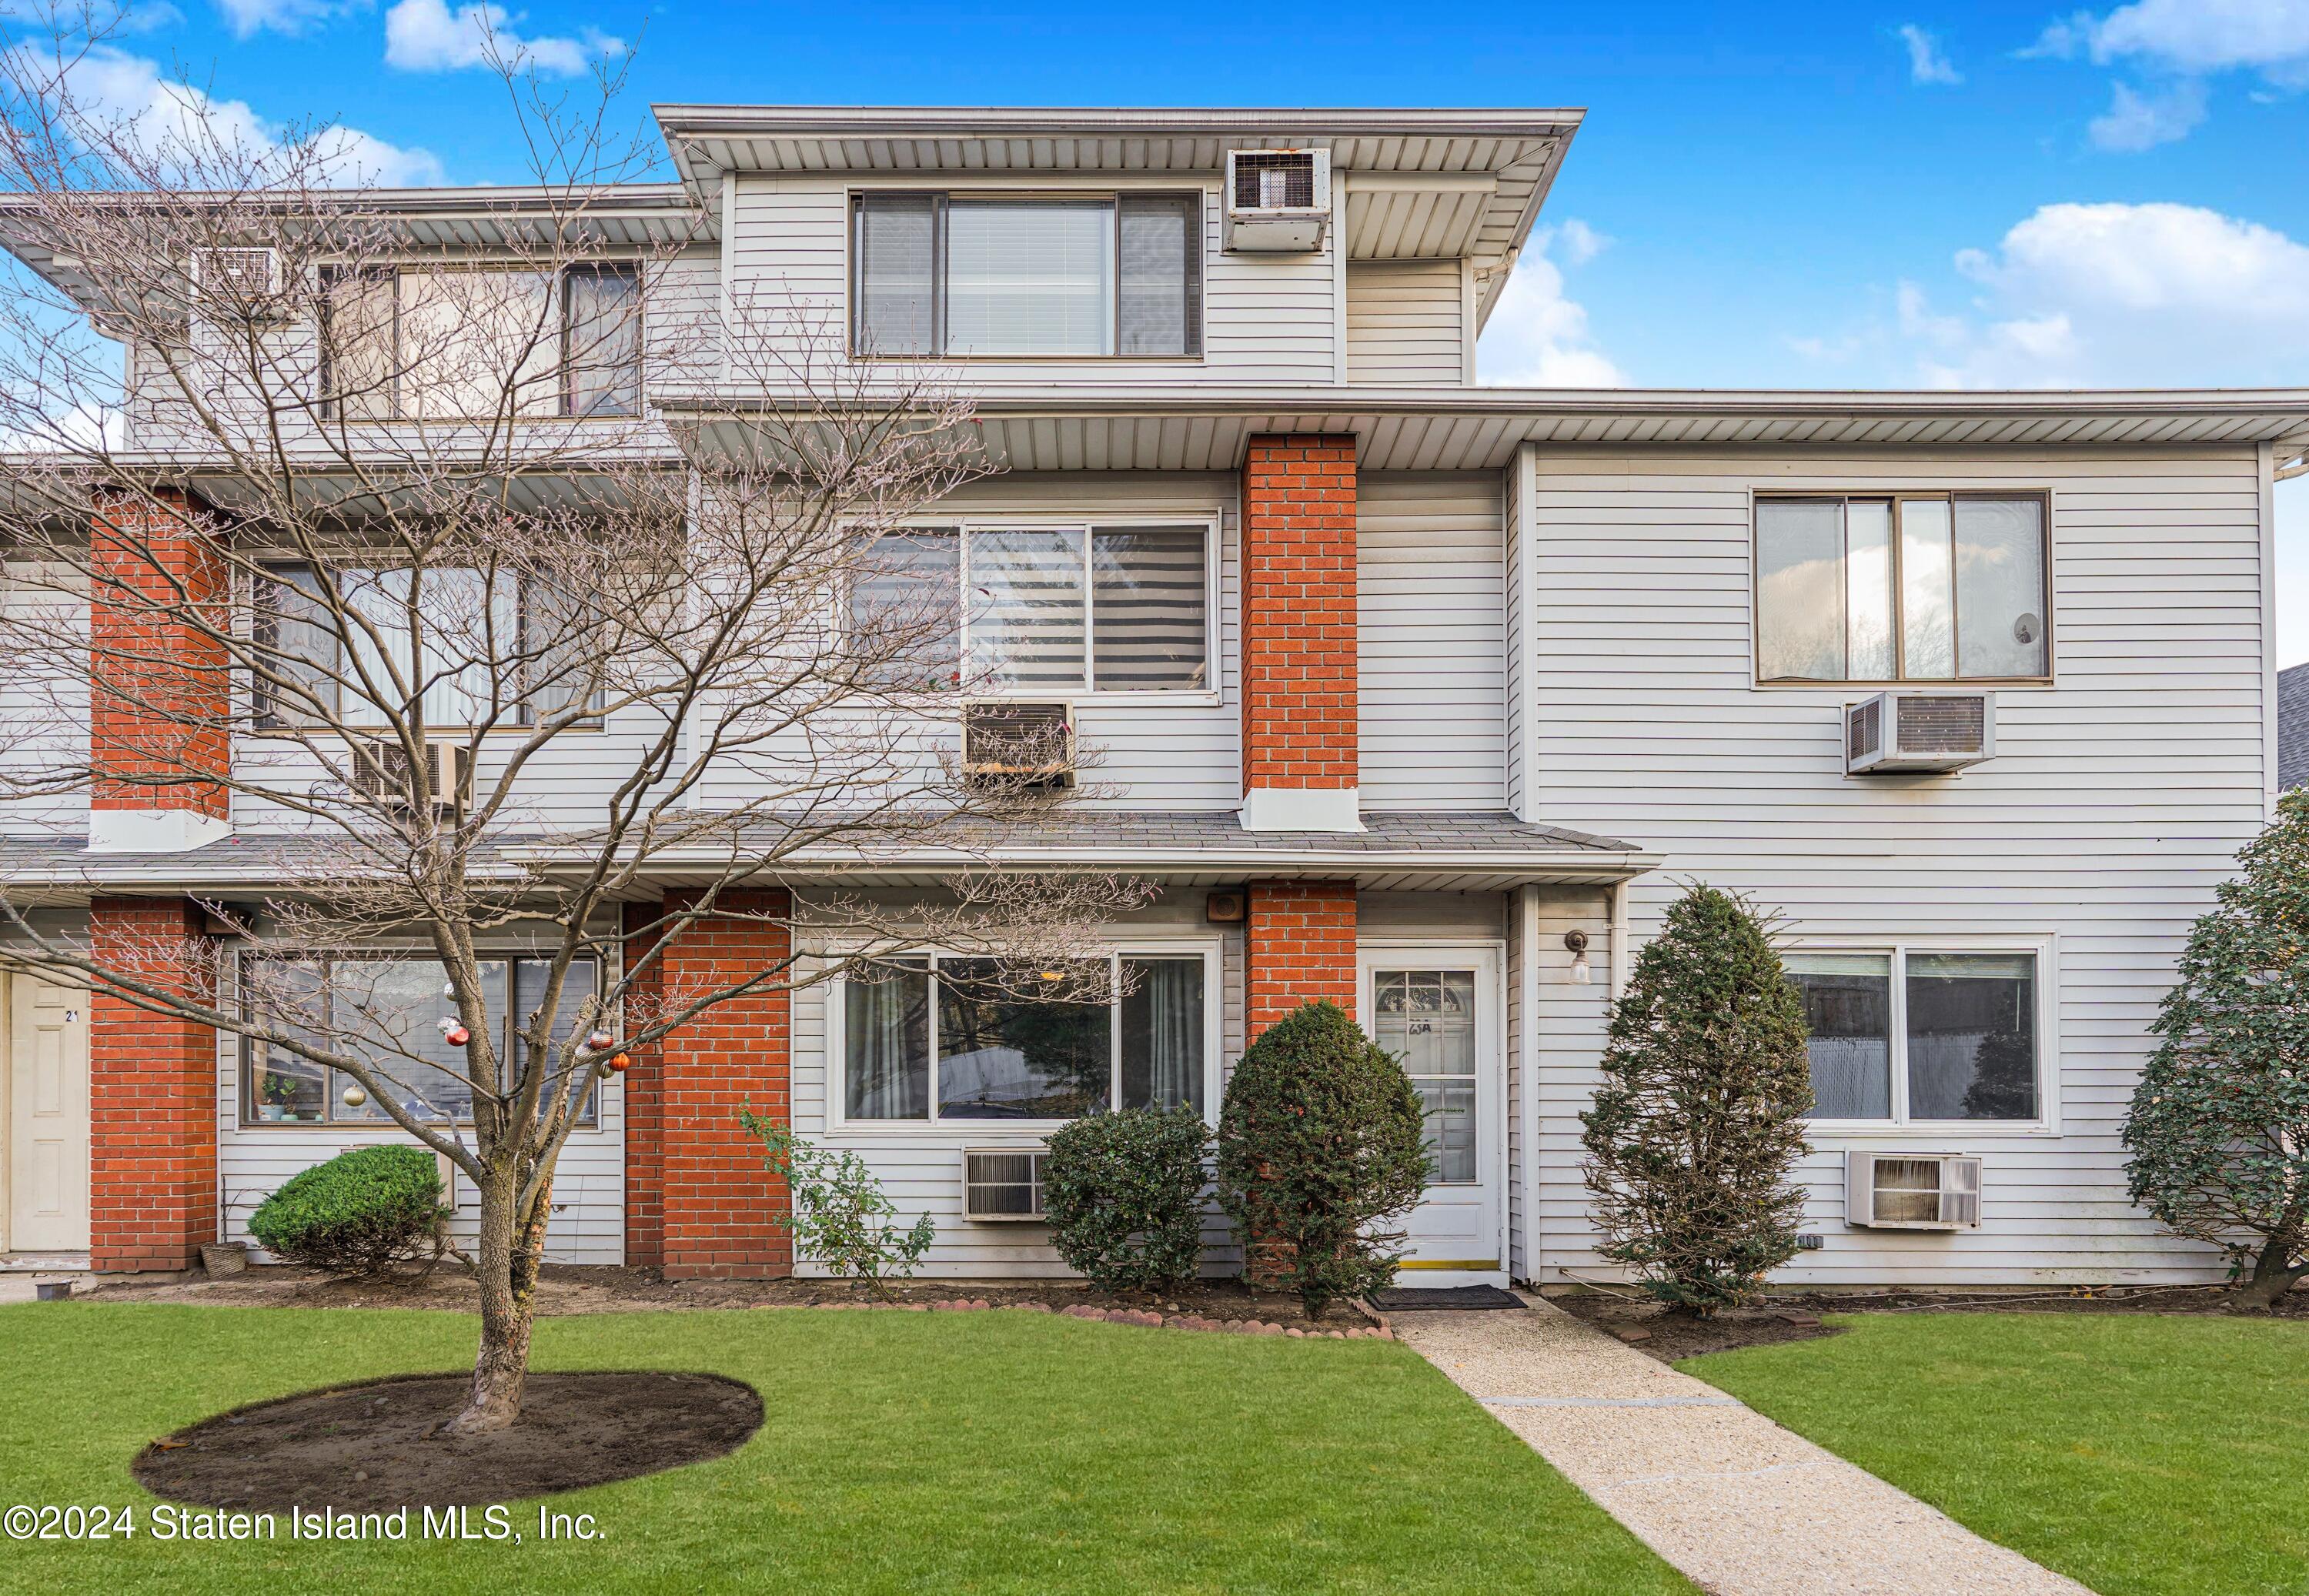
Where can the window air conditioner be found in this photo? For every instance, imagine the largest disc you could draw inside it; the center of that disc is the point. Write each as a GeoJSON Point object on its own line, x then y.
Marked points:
{"type": "Point", "coordinates": [1912, 1191]}
{"type": "Point", "coordinates": [1025, 746]}
{"type": "Point", "coordinates": [380, 770]}
{"type": "Point", "coordinates": [1278, 201]}
{"type": "Point", "coordinates": [245, 281]}
{"type": "Point", "coordinates": [1905, 732]}
{"type": "Point", "coordinates": [1002, 1184]}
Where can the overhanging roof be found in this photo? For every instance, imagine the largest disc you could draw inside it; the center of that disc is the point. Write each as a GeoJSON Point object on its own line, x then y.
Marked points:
{"type": "Point", "coordinates": [1204, 429]}
{"type": "Point", "coordinates": [1432, 851]}
{"type": "Point", "coordinates": [1434, 183]}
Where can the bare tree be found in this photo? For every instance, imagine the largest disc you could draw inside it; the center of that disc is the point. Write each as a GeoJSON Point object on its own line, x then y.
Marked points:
{"type": "Point", "coordinates": [310, 483]}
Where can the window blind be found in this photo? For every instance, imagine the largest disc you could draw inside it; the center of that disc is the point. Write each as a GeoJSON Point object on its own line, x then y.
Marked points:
{"type": "Point", "coordinates": [896, 247]}
{"type": "Point", "coordinates": [1148, 605]}
{"type": "Point", "coordinates": [1158, 293]}
{"type": "Point", "coordinates": [1029, 278]}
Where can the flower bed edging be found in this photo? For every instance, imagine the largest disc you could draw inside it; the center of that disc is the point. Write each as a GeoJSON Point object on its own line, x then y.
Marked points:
{"type": "Point", "coordinates": [1146, 1317]}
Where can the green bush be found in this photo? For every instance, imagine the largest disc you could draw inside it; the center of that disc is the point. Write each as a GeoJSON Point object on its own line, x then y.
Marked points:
{"type": "Point", "coordinates": [839, 1217]}
{"type": "Point", "coordinates": [355, 1214]}
{"type": "Point", "coordinates": [1123, 1194]}
{"type": "Point", "coordinates": [1699, 1121]}
{"type": "Point", "coordinates": [1319, 1143]}
{"type": "Point", "coordinates": [2217, 1136]}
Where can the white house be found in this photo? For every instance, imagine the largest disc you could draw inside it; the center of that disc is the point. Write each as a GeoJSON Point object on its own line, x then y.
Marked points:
{"type": "Point", "coordinates": [1976, 690]}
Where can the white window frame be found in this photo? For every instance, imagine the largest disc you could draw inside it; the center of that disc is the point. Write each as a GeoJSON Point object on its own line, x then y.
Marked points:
{"type": "Point", "coordinates": [2045, 950]}
{"type": "Point", "coordinates": [1212, 522]}
{"type": "Point", "coordinates": [1063, 192]}
{"type": "Point", "coordinates": [998, 1135]}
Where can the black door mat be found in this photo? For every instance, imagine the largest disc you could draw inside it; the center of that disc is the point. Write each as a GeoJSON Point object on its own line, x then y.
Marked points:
{"type": "Point", "coordinates": [1396, 1300]}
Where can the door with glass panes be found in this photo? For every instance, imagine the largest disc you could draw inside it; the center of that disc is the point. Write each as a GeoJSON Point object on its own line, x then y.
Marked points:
{"type": "Point", "coordinates": [1437, 1010]}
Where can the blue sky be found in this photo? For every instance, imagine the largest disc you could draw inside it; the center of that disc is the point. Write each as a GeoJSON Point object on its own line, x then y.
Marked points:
{"type": "Point", "coordinates": [1919, 195]}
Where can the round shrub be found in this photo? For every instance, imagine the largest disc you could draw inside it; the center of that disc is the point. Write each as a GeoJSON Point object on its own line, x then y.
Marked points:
{"type": "Point", "coordinates": [355, 1214]}
{"type": "Point", "coordinates": [1123, 1191]}
{"type": "Point", "coordinates": [1319, 1143]}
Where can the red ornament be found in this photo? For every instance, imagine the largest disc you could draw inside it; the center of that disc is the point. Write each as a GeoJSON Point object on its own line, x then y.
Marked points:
{"type": "Point", "coordinates": [600, 1041]}
{"type": "Point", "coordinates": [458, 1036]}
{"type": "Point", "coordinates": [619, 1063]}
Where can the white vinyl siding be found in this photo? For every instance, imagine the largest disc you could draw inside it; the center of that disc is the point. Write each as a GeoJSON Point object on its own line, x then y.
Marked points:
{"type": "Point", "coordinates": [1405, 324]}
{"type": "Point", "coordinates": [1430, 644]}
{"type": "Point", "coordinates": [2117, 797]}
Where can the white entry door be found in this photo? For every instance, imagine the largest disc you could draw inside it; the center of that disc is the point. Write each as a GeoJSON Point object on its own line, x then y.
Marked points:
{"type": "Point", "coordinates": [1437, 1010]}
{"type": "Point", "coordinates": [48, 1118]}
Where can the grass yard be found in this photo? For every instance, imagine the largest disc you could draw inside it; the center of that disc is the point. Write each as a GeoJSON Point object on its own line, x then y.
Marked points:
{"type": "Point", "coordinates": [2143, 1455]}
{"type": "Point", "coordinates": [986, 1451]}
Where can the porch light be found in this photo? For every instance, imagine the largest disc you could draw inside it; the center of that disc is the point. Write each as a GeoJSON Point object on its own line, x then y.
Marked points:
{"type": "Point", "coordinates": [1577, 942]}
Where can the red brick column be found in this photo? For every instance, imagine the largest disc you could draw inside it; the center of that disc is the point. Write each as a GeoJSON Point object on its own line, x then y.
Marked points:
{"type": "Point", "coordinates": [153, 1095]}
{"type": "Point", "coordinates": [719, 1203]}
{"type": "Point", "coordinates": [1299, 694]}
{"type": "Point", "coordinates": [645, 1088]}
{"type": "Point", "coordinates": [159, 690]}
{"type": "Point", "coordinates": [1301, 937]}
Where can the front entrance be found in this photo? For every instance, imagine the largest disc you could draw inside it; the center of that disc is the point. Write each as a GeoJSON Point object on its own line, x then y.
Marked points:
{"type": "Point", "coordinates": [1437, 1010]}
{"type": "Point", "coordinates": [46, 1103]}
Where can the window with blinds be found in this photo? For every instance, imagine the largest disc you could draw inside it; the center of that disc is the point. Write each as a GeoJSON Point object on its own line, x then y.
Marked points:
{"type": "Point", "coordinates": [1040, 610]}
{"type": "Point", "coordinates": [933, 274]}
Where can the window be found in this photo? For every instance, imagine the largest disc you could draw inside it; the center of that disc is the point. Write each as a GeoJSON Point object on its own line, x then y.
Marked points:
{"type": "Point", "coordinates": [934, 274]}
{"type": "Point", "coordinates": [470, 620]}
{"type": "Point", "coordinates": [1426, 1020]}
{"type": "Point", "coordinates": [441, 345]}
{"type": "Point", "coordinates": [1948, 587]}
{"type": "Point", "coordinates": [1910, 1035]}
{"type": "Point", "coordinates": [954, 1038]}
{"type": "Point", "coordinates": [1038, 610]}
{"type": "Point", "coordinates": [387, 1012]}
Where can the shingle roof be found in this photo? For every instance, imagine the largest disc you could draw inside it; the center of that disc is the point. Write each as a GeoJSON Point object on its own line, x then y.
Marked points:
{"type": "Point", "coordinates": [2292, 727]}
{"type": "Point", "coordinates": [1462, 850]}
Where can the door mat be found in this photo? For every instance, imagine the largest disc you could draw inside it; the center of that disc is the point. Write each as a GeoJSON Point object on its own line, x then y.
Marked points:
{"type": "Point", "coordinates": [1396, 1300]}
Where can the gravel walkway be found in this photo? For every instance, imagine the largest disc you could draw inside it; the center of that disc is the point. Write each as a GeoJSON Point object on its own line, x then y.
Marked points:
{"type": "Point", "coordinates": [1737, 1503]}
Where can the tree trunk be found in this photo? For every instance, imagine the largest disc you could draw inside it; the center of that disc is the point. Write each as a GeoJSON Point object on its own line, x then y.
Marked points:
{"type": "Point", "coordinates": [509, 1254]}
{"type": "Point", "coordinates": [2272, 1277]}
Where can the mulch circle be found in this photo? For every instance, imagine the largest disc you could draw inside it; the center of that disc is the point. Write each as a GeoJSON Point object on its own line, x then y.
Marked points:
{"type": "Point", "coordinates": [373, 1447]}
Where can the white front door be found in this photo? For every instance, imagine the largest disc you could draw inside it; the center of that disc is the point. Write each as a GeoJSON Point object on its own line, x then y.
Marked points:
{"type": "Point", "coordinates": [1437, 1010]}
{"type": "Point", "coordinates": [48, 1118]}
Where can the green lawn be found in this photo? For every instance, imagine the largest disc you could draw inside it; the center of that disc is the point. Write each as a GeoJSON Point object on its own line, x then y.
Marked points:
{"type": "Point", "coordinates": [2136, 1453]}
{"type": "Point", "coordinates": [992, 1452]}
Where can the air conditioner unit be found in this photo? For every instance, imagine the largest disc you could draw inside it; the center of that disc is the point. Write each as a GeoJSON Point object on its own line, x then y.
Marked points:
{"type": "Point", "coordinates": [380, 770]}
{"type": "Point", "coordinates": [245, 280]}
{"type": "Point", "coordinates": [1002, 1184]}
{"type": "Point", "coordinates": [1912, 1191]}
{"type": "Point", "coordinates": [1278, 202]}
{"type": "Point", "coordinates": [1028, 748]}
{"type": "Point", "coordinates": [1914, 730]}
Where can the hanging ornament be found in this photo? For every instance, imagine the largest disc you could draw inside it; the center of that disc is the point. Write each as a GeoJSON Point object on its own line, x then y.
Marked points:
{"type": "Point", "coordinates": [355, 1097]}
{"type": "Point", "coordinates": [600, 1041]}
{"type": "Point", "coordinates": [605, 1069]}
{"type": "Point", "coordinates": [618, 1062]}
{"type": "Point", "coordinates": [449, 988]}
{"type": "Point", "coordinates": [455, 1034]}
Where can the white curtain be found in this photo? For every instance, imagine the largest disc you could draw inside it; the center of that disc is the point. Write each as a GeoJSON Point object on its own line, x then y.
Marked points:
{"type": "Point", "coordinates": [885, 1034]}
{"type": "Point", "coordinates": [1163, 1033]}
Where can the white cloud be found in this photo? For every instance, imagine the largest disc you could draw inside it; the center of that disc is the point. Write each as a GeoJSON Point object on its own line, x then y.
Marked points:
{"type": "Point", "coordinates": [247, 18]}
{"type": "Point", "coordinates": [2135, 121]}
{"type": "Point", "coordinates": [1927, 61]}
{"type": "Point", "coordinates": [166, 114]}
{"type": "Point", "coordinates": [2191, 36]}
{"type": "Point", "coordinates": [1536, 337]}
{"type": "Point", "coordinates": [427, 36]}
{"type": "Point", "coordinates": [2180, 44]}
{"type": "Point", "coordinates": [2119, 295]}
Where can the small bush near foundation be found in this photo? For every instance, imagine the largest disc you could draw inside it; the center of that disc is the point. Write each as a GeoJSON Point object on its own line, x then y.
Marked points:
{"type": "Point", "coordinates": [1123, 1194]}
{"type": "Point", "coordinates": [355, 1214]}
{"type": "Point", "coordinates": [839, 1217]}
{"type": "Point", "coordinates": [1696, 1128]}
{"type": "Point", "coordinates": [1319, 1145]}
